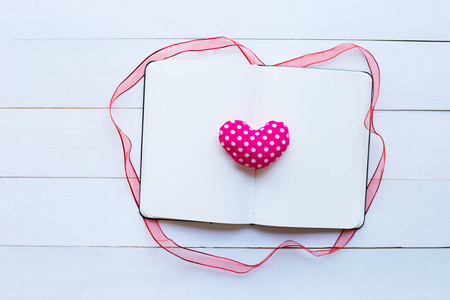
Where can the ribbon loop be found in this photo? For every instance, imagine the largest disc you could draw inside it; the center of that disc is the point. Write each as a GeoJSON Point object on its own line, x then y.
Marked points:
{"type": "Point", "coordinates": [215, 43]}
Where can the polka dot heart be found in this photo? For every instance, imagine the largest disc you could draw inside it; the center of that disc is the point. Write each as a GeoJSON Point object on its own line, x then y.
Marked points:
{"type": "Point", "coordinates": [255, 149]}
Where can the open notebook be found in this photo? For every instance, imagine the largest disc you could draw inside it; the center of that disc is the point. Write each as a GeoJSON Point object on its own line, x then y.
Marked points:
{"type": "Point", "coordinates": [319, 182]}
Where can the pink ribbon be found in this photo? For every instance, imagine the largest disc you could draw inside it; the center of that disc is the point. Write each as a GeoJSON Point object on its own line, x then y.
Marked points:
{"type": "Point", "coordinates": [214, 43]}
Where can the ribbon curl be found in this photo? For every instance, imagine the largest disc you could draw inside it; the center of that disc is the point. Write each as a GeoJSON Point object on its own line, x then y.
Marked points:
{"type": "Point", "coordinates": [307, 60]}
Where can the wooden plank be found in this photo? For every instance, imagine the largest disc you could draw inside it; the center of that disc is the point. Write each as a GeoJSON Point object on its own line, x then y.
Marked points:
{"type": "Point", "coordinates": [380, 20]}
{"type": "Point", "coordinates": [87, 239]}
{"type": "Point", "coordinates": [130, 273]}
{"type": "Point", "coordinates": [84, 143]}
{"type": "Point", "coordinates": [84, 73]}
{"type": "Point", "coordinates": [64, 143]}
{"type": "Point", "coordinates": [101, 212]}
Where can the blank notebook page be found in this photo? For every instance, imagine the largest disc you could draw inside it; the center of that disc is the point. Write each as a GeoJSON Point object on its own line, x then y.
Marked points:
{"type": "Point", "coordinates": [320, 181]}
{"type": "Point", "coordinates": [186, 174]}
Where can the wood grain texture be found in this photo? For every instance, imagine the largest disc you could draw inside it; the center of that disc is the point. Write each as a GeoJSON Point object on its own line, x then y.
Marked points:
{"type": "Point", "coordinates": [376, 20]}
{"type": "Point", "coordinates": [84, 73]}
{"type": "Point", "coordinates": [84, 143]}
{"type": "Point", "coordinates": [101, 212]}
{"type": "Point", "coordinates": [68, 226]}
{"type": "Point", "coordinates": [131, 273]}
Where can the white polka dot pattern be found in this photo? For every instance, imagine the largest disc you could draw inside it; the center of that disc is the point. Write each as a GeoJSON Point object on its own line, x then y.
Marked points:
{"type": "Point", "coordinates": [255, 149]}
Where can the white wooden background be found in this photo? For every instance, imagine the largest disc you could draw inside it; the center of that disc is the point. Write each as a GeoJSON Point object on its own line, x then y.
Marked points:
{"type": "Point", "coordinates": [68, 226]}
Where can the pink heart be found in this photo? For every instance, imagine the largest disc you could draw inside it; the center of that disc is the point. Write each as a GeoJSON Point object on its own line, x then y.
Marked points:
{"type": "Point", "coordinates": [255, 149]}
